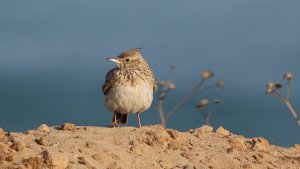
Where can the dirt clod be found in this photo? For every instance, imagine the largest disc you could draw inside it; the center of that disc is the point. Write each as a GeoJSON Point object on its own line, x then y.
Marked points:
{"type": "Point", "coordinates": [56, 160]}
{"type": "Point", "coordinates": [223, 131]}
{"type": "Point", "coordinates": [67, 126]}
{"type": "Point", "coordinates": [147, 147]}
{"type": "Point", "coordinates": [35, 163]}
{"type": "Point", "coordinates": [42, 141]}
{"type": "Point", "coordinates": [18, 146]}
{"type": "Point", "coordinates": [260, 144]}
{"type": "Point", "coordinates": [207, 128]}
{"type": "Point", "coordinates": [43, 128]}
{"type": "Point", "coordinates": [237, 143]}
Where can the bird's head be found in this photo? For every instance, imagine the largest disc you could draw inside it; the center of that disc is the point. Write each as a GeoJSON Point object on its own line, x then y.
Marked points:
{"type": "Point", "coordinates": [129, 60]}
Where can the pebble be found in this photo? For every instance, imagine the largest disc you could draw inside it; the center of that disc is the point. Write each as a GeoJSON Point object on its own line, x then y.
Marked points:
{"type": "Point", "coordinates": [297, 147]}
{"type": "Point", "coordinates": [136, 149]}
{"type": "Point", "coordinates": [43, 128]}
{"type": "Point", "coordinates": [18, 146]}
{"type": "Point", "coordinates": [56, 160]}
{"type": "Point", "coordinates": [174, 134]}
{"type": "Point", "coordinates": [42, 141]}
{"type": "Point", "coordinates": [68, 126]}
{"type": "Point", "coordinates": [237, 143]}
{"type": "Point", "coordinates": [207, 128]}
{"type": "Point", "coordinates": [260, 144]}
{"type": "Point", "coordinates": [35, 163]}
{"type": "Point", "coordinates": [222, 131]}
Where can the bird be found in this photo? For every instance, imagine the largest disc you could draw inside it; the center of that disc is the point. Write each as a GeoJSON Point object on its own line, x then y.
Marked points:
{"type": "Point", "coordinates": [129, 87]}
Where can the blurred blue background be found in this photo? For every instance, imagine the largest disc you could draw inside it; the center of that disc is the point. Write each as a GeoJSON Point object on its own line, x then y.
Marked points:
{"type": "Point", "coordinates": [52, 60]}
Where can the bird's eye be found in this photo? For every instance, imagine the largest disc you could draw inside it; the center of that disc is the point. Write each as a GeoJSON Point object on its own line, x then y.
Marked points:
{"type": "Point", "coordinates": [127, 60]}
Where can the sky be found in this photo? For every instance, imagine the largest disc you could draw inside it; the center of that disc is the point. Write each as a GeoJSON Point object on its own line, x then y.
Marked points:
{"type": "Point", "coordinates": [52, 60]}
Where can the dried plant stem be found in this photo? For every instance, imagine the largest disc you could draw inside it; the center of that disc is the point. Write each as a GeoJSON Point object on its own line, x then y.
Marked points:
{"type": "Point", "coordinates": [161, 113]}
{"type": "Point", "coordinates": [292, 110]}
{"type": "Point", "coordinates": [288, 94]}
{"type": "Point", "coordinates": [209, 114]}
{"type": "Point", "coordinates": [171, 74]}
{"type": "Point", "coordinates": [287, 102]}
{"type": "Point", "coordinates": [183, 99]}
{"type": "Point", "coordinates": [276, 95]}
{"type": "Point", "coordinates": [164, 90]}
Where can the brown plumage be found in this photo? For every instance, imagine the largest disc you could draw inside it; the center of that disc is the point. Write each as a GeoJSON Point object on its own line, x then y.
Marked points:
{"type": "Point", "coordinates": [129, 87]}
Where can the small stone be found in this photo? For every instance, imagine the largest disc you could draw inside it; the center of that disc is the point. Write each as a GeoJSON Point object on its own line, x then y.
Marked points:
{"type": "Point", "coordinates": [2, 134]}
{"type": "Point", "coordinates": [207, 128]}
{"type": "Point", "coordinates": [43, 128]}
{"type": "Point", "coordinates": [98, 158]}
{"type": "Point", "coordinates": [199, 133]}
{"type": "Point", "coordinates": [260, 144]}
{"type": "Point", "coordinates": [28, 132]}
{"type": "Point", "coordinates": [297, 147]}
{"type": "Point", "coordinates": [42, 141]}
{"type": "Point", "coordinates": [237, 143]}
{"type": "Point", "coordinates": [68, 126]}
{"type": "Point", "coordinates": [35, 163]}
{"type": "Point", "coordinates": [174, 134]}
{"type": "Point", "coordinates": [56, 160]}
{"type": "Point", "coordinates": [156, 138]}
{"type": "Point", "coordinates": [191, 131]}
{"type": "Point", "coordinates": [18, 146]}
{"type": "Point", "coordinates": [136, 149]}
{"type": "Point", "coordinates": [223, 131]}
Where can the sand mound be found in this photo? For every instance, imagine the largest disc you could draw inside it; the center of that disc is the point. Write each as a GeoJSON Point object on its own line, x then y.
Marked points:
{"type": "Point", "coordinates": [70, 146]}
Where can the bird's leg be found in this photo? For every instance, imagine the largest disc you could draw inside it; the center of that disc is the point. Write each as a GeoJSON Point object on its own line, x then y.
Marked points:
{"type": "Point", "coordinates": [139, 120]}
{"type": "Point", "coordinates": [115, 122]}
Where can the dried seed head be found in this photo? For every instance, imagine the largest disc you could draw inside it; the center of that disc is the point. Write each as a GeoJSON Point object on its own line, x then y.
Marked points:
{"type": "Point", "coordinates": [161, 83]}
{"type": "Point", "coordinates": [172, 66]}
{"type": "Point", "coordinates": [162, 95]}
{"type": "Point", "coordinates": [202, 103]}
{"type": "Point", "coordinates": [288, 75]}
{"type": "Point", "coordinates": [220, 84]}
{"type": "Point", "coordinates": [207, 74]}
{"type": "Point", "coordinates": [272, 87]}
{"type": "Point", "coordinates": [171, 86]}
{"type": "Point", "coordinates": [217, 101]}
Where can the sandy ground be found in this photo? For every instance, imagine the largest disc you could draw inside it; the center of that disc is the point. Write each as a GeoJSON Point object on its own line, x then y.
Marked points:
{"type": "Point", "coordinates": [70, 146]}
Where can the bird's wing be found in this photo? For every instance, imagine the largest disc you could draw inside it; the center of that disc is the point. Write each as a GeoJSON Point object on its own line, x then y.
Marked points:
{"type": "Point", "coordinates": [109, 80]}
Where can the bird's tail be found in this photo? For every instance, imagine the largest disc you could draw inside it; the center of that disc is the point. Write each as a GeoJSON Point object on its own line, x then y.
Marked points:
{"type": "Point", "coordinates": [121, 118]}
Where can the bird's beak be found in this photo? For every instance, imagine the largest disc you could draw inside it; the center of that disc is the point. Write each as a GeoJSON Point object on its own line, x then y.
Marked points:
{"type": "Point", "coordinates": [116, 60]}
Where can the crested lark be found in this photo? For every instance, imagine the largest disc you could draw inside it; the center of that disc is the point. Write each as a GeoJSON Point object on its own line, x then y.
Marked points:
{"type": "Point", "coordinates": [129, 87]}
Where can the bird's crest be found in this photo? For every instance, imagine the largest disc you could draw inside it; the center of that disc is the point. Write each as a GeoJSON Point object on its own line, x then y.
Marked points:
{"type": "Point", "coordinates": [130, 52]}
